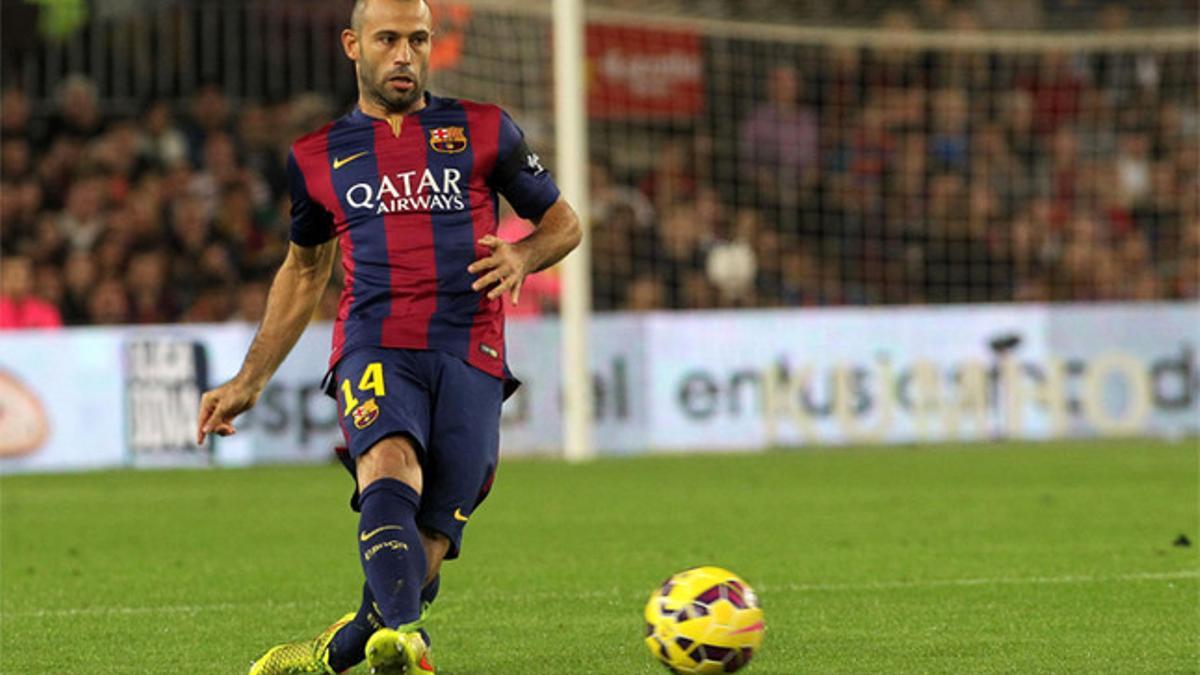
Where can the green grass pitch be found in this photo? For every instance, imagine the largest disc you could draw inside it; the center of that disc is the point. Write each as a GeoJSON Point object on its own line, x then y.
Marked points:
{"type": "Point", "coordinates": [1011, 558]}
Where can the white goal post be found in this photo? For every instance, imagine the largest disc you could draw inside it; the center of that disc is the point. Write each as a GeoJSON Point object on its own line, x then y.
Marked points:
{"type": "Point", "coordinates": [572, 162]}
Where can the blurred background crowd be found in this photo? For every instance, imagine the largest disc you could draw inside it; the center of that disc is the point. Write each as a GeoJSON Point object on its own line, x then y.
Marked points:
{"type": "Point", "coordinates": [827, 175]}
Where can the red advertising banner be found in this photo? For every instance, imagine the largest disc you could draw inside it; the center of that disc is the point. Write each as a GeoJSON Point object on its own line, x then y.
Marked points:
{"type": "Point", "coordinates": [640, 73]}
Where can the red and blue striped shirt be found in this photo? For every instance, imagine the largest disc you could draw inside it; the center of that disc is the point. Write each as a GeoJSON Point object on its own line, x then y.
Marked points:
{"type": "Point", "coordinates": [408, 212]}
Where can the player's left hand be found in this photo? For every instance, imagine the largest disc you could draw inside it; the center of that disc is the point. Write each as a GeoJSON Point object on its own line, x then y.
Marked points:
{"type": "Point", "coordinates": [505, 269]}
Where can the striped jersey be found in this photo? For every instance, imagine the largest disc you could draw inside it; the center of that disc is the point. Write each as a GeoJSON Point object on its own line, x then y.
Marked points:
{"type": "Point", "coordinates": [408, 211]}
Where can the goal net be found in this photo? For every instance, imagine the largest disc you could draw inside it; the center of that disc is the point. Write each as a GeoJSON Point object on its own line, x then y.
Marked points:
{"type": "Point", "coordinates": [772, 154]}
{"type": "Point", "coordinates": [897, 158]}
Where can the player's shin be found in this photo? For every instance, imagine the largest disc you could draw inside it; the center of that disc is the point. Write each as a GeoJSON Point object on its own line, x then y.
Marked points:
{"type": "Point", "coordinates": [392, 556]}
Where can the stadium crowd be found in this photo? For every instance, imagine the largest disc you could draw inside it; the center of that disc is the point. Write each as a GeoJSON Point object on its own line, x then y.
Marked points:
{"type": "Point", "coordinates": [934, 14]}
{"type": "Point", "coordinates": [856, 177]}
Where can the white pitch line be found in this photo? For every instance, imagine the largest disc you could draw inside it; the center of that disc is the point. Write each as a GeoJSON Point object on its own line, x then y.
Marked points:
{"type": "Point", "coordinates": [986, 581]}
{"type": "Point", "coordinates": [773, 588]}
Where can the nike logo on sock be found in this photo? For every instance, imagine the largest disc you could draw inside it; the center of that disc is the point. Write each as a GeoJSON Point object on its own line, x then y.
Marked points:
{"type": "Point", "coordinates": [367, 535]}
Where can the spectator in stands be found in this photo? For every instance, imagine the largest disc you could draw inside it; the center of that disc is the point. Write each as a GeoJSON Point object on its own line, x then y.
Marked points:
{"type": "Point", "coordinates": [108, 303]}
{"type": "Point", "coordinates": [1133, 167]}
{"type": "Point", "coordinates": [679, 256]}
{"type": "Point", "coordinates": [210, 114]}
{"type": "Point", "coordinates": [1017, 177]}
{"type": "Point", "coordinates": [214, 303]}
{"type": "Point", "coordinates": [251, 302]}
{"type": "Point", "coordinates": [147, 282]}
{"type": "Point", "coordinates": [56, 169]}
{"type": "Point", "coordinates": [16, 157]}
{"type": "Point", "coordinates": [1182, 270]}
{"type": "Point", "coordinates": [20, 307]}
{"type": "Point", "coordinates": [117, 152]}
{"type": "Point", "coordinates": [646, 293]}
{"type": "Point", "coordinates": [78, 114]}
{"type": "Point", "coordinates": [616, 248]}
{"type": "Point", "coordinates": [236, 224]}
{"type": "Point", "coordinates": [949, 144]}
{"type": "Point", "coordinates": [82, 219]}
{"type": "Point", "coordinates": [607, 194]}
{"type": "Point", "coordinates": [259, 144]}
{"type": "Point", "coordinates": [190, 233]}
{"type": "Point", "coordinates": [21, 202]}
{"type": "Point", "coordinates": [161, 140]}
{"type": "Point", "coordinates": [1056, 86]}
{"type": "Point", "coordinates": [672, 178]}
{"type": "Point", "coordinates": [1017, 114]}
{"type": "Point", "coordinates": [778, 141]}
{"type": "Point", "coordinates": [15, 118]}
{"type": "Point", "coordinates": [80, 274]}
{"type": "Point", "coordinates": [222, 170]}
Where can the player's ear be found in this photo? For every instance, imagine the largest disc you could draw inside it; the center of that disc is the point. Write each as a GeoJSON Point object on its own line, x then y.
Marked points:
{"type": "Point", "coordinates": [350, 44]}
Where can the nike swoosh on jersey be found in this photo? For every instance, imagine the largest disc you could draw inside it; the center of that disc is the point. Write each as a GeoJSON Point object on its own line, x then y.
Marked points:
{"type": "Point", "coordinates": [459, 516]}
{"type": "Point", "coordinates": [339, 163]}
{"type": "Point", "coordinates": [367, 535]}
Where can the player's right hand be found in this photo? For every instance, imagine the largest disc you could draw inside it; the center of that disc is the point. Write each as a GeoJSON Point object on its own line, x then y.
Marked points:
{"type": "Point", "coordinates": [220, 406]}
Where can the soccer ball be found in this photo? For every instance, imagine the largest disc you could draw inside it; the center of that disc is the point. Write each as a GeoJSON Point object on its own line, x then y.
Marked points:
{"type": "Point", "coordinates": [704, 620]}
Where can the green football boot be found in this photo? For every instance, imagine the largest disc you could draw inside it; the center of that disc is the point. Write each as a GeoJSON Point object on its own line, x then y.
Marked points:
{"type": "Point", "coordinates": [297, 658]}
{"type": "Point", "coordinates": [392, 652]}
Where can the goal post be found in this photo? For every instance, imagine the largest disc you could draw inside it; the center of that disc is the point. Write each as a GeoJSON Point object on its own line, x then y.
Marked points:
{"type": "Point", "coordinates": [572, 163]}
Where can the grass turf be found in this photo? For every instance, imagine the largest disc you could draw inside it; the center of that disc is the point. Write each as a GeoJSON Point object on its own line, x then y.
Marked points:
{"type": "Point", "coordinates": [988, 559]}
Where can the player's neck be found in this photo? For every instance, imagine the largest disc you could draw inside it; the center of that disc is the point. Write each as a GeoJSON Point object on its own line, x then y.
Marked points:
{"type": "Point", "coordinates": [394, 119]}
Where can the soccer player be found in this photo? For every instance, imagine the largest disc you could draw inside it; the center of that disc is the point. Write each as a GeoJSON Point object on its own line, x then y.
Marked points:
{"type": "Point", "coordinates": [407, 184]}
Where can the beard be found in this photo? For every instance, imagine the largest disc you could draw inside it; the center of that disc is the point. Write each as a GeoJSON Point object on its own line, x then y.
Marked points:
{"type": "Point", "coordinates": [394, 100]}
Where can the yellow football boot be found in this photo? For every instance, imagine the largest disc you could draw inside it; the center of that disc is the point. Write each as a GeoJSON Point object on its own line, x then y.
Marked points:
{"type": "Point", "coordinates": [391, 652]}
{"type": "Point", "coordinates": [296, 658]}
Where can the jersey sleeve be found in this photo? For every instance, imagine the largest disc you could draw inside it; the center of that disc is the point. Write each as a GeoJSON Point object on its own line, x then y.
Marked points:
{"type": "Point", "coordinates": [519, 175]}
{"type": "Point", "coordinates": [312, 224]}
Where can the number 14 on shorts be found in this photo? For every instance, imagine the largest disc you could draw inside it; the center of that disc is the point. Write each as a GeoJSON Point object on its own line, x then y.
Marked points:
{"type": "Point", "coordinates": [371, 382]}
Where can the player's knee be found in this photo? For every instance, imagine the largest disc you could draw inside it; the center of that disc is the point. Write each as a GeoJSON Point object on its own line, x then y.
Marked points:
{"type": "Point", "coordinates": [394, 457]}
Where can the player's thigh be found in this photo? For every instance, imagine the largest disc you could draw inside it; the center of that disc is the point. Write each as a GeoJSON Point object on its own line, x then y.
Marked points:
{"type": "Point", "coordinates": [384, 412]}
{"type": "Point", "coordinates": [464, 448]}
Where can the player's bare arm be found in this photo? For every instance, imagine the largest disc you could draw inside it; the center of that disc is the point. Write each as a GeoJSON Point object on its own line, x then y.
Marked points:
{"type": "Point", "coordinates": [557, 233]}
{"type": "Point", "coordinates": [290, 304]}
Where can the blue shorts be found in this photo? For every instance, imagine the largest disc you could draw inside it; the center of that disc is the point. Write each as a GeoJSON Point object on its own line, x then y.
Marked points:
{"type": "Point", "coordinates": [451, 412]}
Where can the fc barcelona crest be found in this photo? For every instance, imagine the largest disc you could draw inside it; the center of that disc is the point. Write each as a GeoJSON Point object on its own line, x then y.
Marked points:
{"type": "Point", "coordinates": [365, 414]}
{"type": "Point", "coordinates": [448, 140]}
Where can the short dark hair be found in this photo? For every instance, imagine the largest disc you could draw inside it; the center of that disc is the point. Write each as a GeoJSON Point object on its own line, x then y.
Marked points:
{"type": "Point", "coordinates": [356, 13]}
{"type": "Point", "coordinates": [360, 6]}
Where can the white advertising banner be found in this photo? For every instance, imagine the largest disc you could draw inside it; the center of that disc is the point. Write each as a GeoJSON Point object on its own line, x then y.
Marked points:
{"type": "Point", "coordinates": [99, 398]}
{"type": "Point", "coordinates": [532, 421]}
{"type": "Point", "coordinates": [61, 401]}
{"type": "Point", "coordinates": [835, 376]}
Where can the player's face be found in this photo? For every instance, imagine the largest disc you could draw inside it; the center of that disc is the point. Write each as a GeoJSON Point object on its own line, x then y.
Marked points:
{"type": "Point", "coordinates": [392, 51]}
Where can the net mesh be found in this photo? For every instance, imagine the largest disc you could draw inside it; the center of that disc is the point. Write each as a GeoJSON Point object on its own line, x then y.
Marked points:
{"type": "Point", "coordinates": [743, 154]}
{"type": "Point", "coordinates": [752, 165]}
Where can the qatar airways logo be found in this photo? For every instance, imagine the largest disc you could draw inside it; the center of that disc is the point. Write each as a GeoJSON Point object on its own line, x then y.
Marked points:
{"type": "Point", "coordinates": [410, 191]}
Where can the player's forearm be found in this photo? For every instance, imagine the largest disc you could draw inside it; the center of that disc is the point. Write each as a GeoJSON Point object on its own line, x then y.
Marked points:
{"type": "Point", "coordinates": [293, 298]}
{"type": "Point", "coordinates": [557, 234]}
